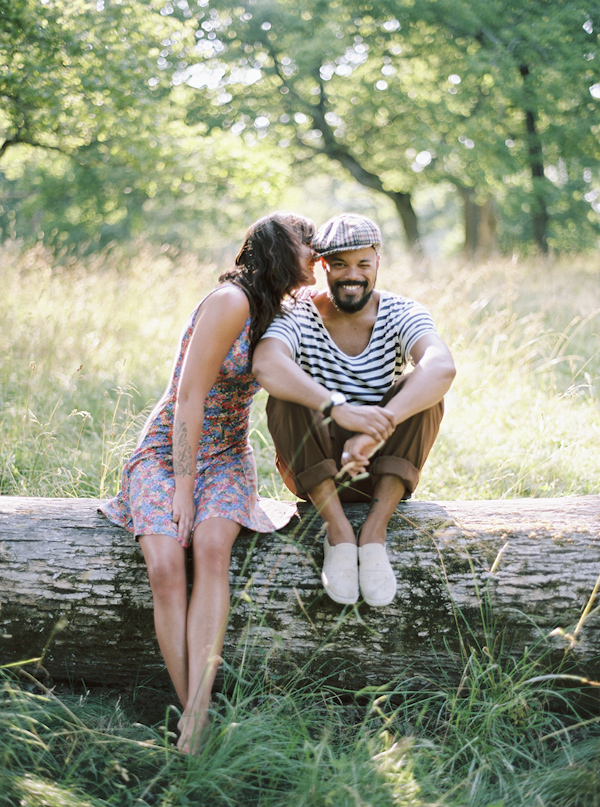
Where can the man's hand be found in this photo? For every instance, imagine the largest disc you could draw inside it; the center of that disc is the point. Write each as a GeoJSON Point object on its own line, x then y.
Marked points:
{"type": "Point", "coordinates": [374, 421]}
{"type": "Point", "coordinates": [356, 453]}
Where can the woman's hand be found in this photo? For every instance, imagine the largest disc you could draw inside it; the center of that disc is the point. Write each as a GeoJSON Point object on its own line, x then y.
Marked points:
{"type": "Point", "coordinates": [184, 513]}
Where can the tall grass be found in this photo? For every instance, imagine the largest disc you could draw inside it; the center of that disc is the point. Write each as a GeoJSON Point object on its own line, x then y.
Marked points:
{"type": "Point", "coordinates": [523, 415]}
{"type": "Point", "coordinates": [507, 735]}
{"type": "Point", "coordinates": [87, 348]}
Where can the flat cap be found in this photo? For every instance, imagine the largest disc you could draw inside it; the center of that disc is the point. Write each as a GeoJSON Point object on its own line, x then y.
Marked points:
{"type": "Point", "coordinates": [347, 231]}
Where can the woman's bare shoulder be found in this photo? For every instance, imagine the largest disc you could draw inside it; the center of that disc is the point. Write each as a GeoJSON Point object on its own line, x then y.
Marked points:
{"type": "Point", "coordinates": [227, 300]}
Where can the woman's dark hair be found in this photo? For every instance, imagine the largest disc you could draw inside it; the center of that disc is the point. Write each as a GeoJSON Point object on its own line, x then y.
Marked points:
{"type": "Point", "coordinates": [268, 266]}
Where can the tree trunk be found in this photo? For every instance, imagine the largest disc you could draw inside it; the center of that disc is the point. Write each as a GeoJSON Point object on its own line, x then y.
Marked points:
{"type": "Point", "coordinates": [539, 211]}
{"type": "Point", "coordinates": [408, 217]}
{"type": "Point", "coordinates": [471, 221]}
{"type": "Point", "coordinates": [74, 591]}
{"type": "Point", "coordinates": [487, 232]}
{"type": "Point", "coordinates": [480, 222]}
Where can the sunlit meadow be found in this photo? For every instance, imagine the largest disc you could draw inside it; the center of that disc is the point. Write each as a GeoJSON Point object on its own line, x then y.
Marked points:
{"type": "Point", "coordinates": [87, 347]}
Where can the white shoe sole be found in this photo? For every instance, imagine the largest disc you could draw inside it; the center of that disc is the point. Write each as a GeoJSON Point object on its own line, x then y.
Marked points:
{"type": "Point", "coordinates": [339, 600]}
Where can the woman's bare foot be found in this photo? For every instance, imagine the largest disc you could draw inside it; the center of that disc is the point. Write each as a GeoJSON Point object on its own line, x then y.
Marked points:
{"type": "Point", "coordinates": [194, 731]}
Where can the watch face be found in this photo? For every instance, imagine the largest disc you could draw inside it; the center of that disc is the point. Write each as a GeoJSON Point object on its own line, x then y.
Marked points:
{"type": "Point", "coordinates": [337, 399]}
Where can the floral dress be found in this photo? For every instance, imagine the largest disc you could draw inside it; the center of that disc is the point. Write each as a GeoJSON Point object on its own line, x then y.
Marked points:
{"type": "Point", "coordinates": [225, 469]}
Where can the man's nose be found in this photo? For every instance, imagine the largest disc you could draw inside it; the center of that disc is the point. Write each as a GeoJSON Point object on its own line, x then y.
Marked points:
{"type": "Point", "coordinates": [352, 273]}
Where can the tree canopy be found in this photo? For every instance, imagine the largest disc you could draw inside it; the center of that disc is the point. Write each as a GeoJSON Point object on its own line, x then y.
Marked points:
{"type": "Point", "coordinates": [497, 98]}
{"type": "Point", "coordinates": [131, 106]}
{"type": "Point", "coordinates": [92, 132]}
{"type": "Point", "coordinates": [78, 75]}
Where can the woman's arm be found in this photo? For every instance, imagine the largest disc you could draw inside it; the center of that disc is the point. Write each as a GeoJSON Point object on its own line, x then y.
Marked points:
{"type": "Point", "coordinates": [220, 321]}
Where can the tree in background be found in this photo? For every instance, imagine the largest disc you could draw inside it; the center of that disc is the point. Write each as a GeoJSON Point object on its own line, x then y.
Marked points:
{"type": "Point", "coordinates": [529, 72]}
{"type": "Point", "coordinates": [496, 98]}
{"type": "Point", "coordinates": [78, 75]}
{"type": "Point", "coordinates": [119, 117]}
{"type": "Point", "coordinates": [300, 76]}
{"type": "Point", "coordinates": [92, 138]}
{"type": "Point", "coordinates": [79, 80]}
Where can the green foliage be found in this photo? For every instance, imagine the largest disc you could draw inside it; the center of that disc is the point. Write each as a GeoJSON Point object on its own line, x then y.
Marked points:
{"type": "Point", "coordinates": [492, 97]}
{"type": "Point", "coordinates": [525, 71]}
{"type": "Point", "coordinates": [79, 84]}
{"type": "Point", "coordinates": [91, 138]}
{"type": "Point", "coordinates": [169, 119]}
{"type": "Point", "coordinates": [81, 73]}
{"type": "Point", "coordinates": [167, 190]}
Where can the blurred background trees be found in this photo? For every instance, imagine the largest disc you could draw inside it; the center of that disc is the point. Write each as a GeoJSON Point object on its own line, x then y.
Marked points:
{"type": "Point", "coordinates": [462, 124]}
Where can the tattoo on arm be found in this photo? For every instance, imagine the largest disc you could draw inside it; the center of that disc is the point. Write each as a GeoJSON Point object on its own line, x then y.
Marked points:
{"type": "Point", "coordinates": [182, 454]}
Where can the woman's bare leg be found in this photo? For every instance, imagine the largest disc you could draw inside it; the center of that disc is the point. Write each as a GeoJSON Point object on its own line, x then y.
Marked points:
{"type": "Point", "coordinates": [208, 612]}
{"type": "Point", "coordinates": [165, 561]}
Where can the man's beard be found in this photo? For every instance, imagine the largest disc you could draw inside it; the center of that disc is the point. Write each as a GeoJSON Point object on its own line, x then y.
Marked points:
{"type": "Point", "coordinates": [349, 306]}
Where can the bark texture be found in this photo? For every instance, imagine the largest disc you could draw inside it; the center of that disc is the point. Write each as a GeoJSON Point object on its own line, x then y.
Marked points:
{"type": "Point", "coordinates": [73, 590]}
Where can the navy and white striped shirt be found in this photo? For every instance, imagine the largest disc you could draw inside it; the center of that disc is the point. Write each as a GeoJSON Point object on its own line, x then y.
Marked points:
{"type": "Point", "coordinates": [364, 379]}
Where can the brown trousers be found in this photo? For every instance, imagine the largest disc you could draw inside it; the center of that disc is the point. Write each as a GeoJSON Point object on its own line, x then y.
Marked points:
{"type": "Point", "coordinates": [309, 449]}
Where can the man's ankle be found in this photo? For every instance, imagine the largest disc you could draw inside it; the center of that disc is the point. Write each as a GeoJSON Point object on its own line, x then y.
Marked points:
{"type": "Point", "coordinates": [372, 534]}
{"type": "Point", "coordinates": [340, 534]}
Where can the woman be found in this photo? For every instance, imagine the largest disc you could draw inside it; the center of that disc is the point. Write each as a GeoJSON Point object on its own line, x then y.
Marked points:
{"type": "Point", "coordinates": [192, 476]}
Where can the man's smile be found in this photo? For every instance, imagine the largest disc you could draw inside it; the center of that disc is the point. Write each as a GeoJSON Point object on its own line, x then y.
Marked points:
{"type": "Point", "coordinates": [351, 286]}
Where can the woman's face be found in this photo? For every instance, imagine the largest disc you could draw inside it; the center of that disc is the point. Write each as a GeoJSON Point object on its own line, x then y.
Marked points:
{"type": "Point", "coordinates": [308, 258]}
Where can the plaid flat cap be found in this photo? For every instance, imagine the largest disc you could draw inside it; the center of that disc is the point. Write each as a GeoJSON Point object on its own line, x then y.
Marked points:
{"type": "Point", "coordinates": [347, 231]}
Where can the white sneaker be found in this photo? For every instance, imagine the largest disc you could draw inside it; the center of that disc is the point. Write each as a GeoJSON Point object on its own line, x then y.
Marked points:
{"type": "Point", "coordinates": [376, 576]}
{"type": "Point", "coordinates": [340, 572]}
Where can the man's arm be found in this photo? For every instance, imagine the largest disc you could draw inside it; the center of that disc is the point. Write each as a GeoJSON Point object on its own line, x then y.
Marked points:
{"type": "Point", "coordinates": [278, 373]}
{"type": "Point", "coordinates": [429, 380]}
{"type": "Point", "coordinates": [425, 386]}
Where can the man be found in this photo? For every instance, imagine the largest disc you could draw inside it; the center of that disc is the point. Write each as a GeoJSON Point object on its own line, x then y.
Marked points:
{"type": "Point", "coordinates": [340, 403]}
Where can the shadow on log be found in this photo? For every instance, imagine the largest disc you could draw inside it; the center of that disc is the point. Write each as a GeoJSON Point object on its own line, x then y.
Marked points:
{"type": "Point", "coordinates": [73, 590]}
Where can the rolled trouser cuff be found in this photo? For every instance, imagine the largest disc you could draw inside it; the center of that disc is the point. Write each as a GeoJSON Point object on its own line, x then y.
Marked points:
{"type": "Point", "coordinates": [396, 466]}
{"type": "Point", "coordinates": [311, 477]}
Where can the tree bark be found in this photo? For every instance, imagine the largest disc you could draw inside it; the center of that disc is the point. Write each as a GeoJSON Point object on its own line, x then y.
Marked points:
{"type": "Point", "coordinates": [487, 235]}
{"type": "Point", "coordinates": [480, 223]}
{"type": "Point", "coordinates": [539, 210]}
{"type": "Point", "coordinates": [402, 199]}
{"type": "Point", "coordinates": [74, 591]}
{"type": "Point", "coordinates": [471, 221]}
{"type": "Point", "coordinates": [408, 217]}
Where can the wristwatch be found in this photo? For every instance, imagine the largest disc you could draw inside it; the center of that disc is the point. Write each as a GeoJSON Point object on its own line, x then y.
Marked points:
{"type": "Point", "coordinates": [335, 399]}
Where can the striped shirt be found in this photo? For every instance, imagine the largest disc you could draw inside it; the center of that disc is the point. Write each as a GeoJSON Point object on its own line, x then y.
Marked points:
{"type": "Point", "coordinates": [364, 379]}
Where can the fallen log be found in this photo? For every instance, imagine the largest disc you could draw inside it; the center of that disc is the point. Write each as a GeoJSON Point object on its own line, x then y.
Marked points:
{"type": "Point", "coordinates": [74, 592]}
